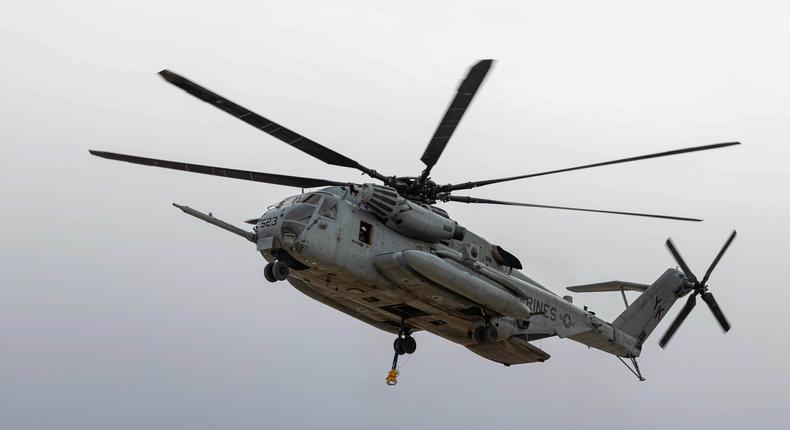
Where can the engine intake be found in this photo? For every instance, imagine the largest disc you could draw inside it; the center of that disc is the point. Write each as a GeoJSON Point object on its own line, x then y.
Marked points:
{"type": "Point", "coordinates": [407, 217]}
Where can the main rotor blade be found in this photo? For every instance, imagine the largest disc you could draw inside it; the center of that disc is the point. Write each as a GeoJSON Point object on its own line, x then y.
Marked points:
{"type": "Point", "coordinates": [269, 178]}
{"type": "Point", "coordinates": [467, 199]}
{"type": "Point", "coordinates": [690, 303]}
{"type": "Point", "coordinates": [464, 95]}
{"type": "Point", "coordinates": [718, 257]}
{"type": "Point", "coordinates": [681, 262]}
{"type": "Point", "coordinates": [470, 185]}
{"type": "Point", "coordinates": [714, 307]}
{"type": "Point", "coordinates": [266, 125]}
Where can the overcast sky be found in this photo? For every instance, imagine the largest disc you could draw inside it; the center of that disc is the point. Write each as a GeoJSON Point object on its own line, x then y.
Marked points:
{"type": "Point", "coordinates": [117, 311]}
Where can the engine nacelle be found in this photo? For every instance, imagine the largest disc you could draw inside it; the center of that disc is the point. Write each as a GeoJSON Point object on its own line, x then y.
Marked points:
{"type": "Point", "coordinates": [409, 218]}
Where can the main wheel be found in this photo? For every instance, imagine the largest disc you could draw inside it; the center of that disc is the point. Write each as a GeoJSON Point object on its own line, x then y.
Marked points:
{"type": "Point", "coordinates": [268, 273]}
{"type": "Point", "coordinates": [280, 270]}
{"type": "Point", "coordinates": [409, 345]}
{"type": "Point", "coordinates": [398, 346]}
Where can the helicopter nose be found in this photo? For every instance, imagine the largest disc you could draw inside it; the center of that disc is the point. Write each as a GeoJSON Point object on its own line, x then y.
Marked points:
{"type": "Point", "coordinates": [270, 222]}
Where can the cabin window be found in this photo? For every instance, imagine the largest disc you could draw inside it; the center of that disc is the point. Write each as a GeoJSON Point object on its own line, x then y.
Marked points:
{"type": "Point", "coordinates": [329, 208]}
{"type": "Point", "coordinates": [365, 232]}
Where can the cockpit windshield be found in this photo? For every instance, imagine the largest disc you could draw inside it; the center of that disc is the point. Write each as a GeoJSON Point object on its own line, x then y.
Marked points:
{"type": "Point", "coordinates": [297, 218]}
{"type": "Point", "coordinates": [310, 199]}
{"type": "Point", "coordinates": [287, 202]}
{"type": "Point", "coordinates": [300, 213]}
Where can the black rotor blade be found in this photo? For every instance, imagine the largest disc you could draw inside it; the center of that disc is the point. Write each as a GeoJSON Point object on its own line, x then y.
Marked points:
{"type": "Point", "coordinates": [467, 199]}
{"type": "Point", "coordinates": [266, 125]}
{"type": "Point", "coordinates": [464, 95]}
{"type": "Point", "coordinates": [269, 178]}
{"type": "Point", "coordinates": [690, 303]}
{"type": "Point", "coordinates": [681, 262]}
{"type": "Point", "coordinates": [714, 307]}
{"type": "Point", "coordinates": [469, 185]}
{"type": "Point", "coordinates": [718, 257]}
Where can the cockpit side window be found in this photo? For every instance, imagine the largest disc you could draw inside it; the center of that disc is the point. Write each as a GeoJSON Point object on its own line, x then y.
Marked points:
{"type": "Point", "coordinates": [329, 208]}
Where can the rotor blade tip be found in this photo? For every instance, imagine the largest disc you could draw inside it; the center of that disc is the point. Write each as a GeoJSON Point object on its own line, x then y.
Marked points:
{"type": "Point", "coordinates": [484, 64]}
{"type": "Point", "coordinates": [96, 153]}
{"type": "Point", "coordinates": [167, 75]}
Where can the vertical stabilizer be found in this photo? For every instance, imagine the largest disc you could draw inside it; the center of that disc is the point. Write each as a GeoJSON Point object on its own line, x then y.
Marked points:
{"type": "Point", "coordinates": [644, 314]}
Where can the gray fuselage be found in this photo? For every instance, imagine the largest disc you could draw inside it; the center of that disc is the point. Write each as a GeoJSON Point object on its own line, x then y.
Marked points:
{"type": "Point", "coordinates": [344, 256]}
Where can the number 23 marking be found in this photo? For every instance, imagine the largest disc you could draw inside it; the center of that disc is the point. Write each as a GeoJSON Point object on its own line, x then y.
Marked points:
{"type": "Point", "coordinates": [269, 222]}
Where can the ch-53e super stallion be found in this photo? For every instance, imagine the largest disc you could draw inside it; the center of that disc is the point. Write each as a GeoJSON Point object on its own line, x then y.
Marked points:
{"type": "Point", "coordinates": [385, 254]}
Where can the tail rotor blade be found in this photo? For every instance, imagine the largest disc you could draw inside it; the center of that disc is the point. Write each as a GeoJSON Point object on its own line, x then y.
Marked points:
{"type": "Point", "coordinates": [718, 257]}
{"type": "Point", "coordinates": [681, 262]}
{"type": "Point", "coordinates": [690, 303]}
{"type": "Point", "coordinates": [714, 307]}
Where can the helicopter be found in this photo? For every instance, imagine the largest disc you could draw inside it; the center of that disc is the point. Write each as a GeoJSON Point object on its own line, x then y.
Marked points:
{"type": "Point", "coordinates": [384, 253]}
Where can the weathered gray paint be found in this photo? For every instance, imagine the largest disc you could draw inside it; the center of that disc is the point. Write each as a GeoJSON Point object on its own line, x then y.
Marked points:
{"type": "Point", "coordinates": [443, 279]}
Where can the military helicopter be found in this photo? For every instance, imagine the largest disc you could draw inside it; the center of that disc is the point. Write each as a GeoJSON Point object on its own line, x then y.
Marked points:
{"type": "Point", "coordinates": [385, 254]}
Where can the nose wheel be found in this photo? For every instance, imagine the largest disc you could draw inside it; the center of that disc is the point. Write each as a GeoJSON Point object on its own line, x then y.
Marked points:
{"type": "Point", "coordinates": [277, 271]}
{"type": "Point", "coordinates": [404, 344]}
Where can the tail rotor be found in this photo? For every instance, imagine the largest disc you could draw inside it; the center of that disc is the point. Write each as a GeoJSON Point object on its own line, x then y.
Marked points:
{"type": "Point", "coordinates": [699, 288]}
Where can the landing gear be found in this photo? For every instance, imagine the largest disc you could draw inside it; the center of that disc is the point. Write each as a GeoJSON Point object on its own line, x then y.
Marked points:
{"type": "Point", "coordinates": [277, 271]}
{"type": "Point", "coordinates": [485, 334]}
{"type": "Point", "coordinates": [634, 368]}
{"type": "Point", "coordinates": [404, 344]}
{"type": "Point", "coordinates": [268, 274]}
{"type": "Point", "coordinates": [280, 270]}
{"type": "Point", "coordinates": [409, 345]}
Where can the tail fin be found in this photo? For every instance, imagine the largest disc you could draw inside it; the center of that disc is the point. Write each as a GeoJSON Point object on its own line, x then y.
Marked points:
{"type": "Point", "coordinates": [643, 315]}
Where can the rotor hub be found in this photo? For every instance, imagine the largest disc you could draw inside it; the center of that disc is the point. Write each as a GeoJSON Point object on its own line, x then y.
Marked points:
{"type": "Point", "coordinates": [415, 188]}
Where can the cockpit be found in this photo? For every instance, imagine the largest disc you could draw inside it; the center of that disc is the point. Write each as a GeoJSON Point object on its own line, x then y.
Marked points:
{"type": "Point", "coordinates": [300, 210]}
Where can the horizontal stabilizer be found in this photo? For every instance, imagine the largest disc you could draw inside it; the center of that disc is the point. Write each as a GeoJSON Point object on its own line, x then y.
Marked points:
{"type": "Point", "coordinates": [608, 286]}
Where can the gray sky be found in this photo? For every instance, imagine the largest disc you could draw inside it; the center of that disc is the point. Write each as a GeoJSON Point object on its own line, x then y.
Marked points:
{"type": "Point", "coordinates": [117, 311]}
